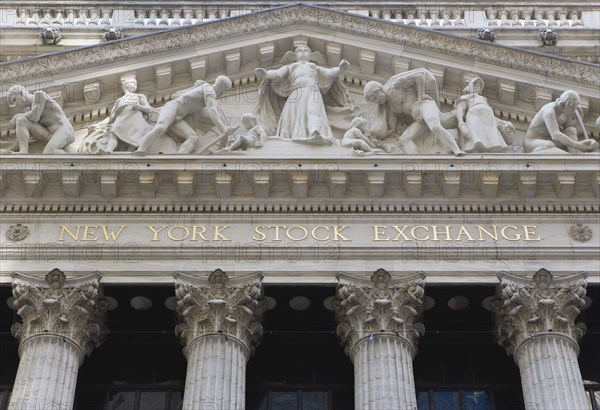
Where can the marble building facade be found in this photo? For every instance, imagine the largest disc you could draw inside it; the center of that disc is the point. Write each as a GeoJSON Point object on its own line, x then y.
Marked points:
{"type": "Point", "coordinates": [370, 206]}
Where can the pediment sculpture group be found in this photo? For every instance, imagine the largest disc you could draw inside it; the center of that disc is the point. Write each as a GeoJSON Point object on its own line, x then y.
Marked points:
{"type": "Point", "coordinates": [303, 102]}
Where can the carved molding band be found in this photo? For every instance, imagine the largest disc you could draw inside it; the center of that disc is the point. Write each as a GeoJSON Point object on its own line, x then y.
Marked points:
{"type": "Point", "coordinates": [68, 308]}
{"type": "Point", "coordinates": [525, 308]}
{"type": "Point", "coordinates": [285, 16]}
{"type": "Point", "coordinates": [220, 305]}
{"type": "Point", "coordinates": [380, 305]}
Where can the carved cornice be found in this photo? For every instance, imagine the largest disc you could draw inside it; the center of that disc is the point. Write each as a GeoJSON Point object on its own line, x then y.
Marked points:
{"type": "Point", "coordinates": [67, 308]}
{"type": "Point", "coordinates": [306, 15]}
{"type": "Point", "coordinates": [527, 307]}
{"type": "Point", "coordinates": [380, 305]}
{"type": "Point", "coordinates": [220, 305]}
{"type": "Point", "coordinates": [498, 182]}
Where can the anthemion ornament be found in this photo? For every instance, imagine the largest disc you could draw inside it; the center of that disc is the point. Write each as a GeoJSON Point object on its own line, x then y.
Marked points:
{"type": "Point", "coordinates": [17, 232]}
{"type": "Point", "coordinates": [581, 233]}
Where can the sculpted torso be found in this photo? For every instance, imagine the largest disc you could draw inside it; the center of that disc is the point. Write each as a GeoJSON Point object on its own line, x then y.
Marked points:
{"type": "Point", "coordinates": [400, 103]}
{"type": "Point", "coordinates": [190, 102]}
{"type": "Point", "coordinates": [303, 74]}
{"type": "Point", "coordinates": [52, 116]}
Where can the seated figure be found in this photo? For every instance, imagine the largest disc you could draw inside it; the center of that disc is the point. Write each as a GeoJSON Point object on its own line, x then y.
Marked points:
{"type": "Point", "coordinates": [356, 138]}
{"type": "Point", "coordinates": [555, 128]}
{"type": "Point", "coordinates": [255, 136]}
{"type": "Point", "coordinates": [43, 120]}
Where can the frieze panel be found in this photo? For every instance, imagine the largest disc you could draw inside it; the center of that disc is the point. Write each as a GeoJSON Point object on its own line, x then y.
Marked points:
{"type": "Point", "coordinates": [304, 108]}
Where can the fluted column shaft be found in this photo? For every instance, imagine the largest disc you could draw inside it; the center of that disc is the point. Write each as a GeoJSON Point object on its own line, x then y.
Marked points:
{"type": "Point", "coordinates": [220, 328]}
{"type": "Point", "coordinates": [61, 325]}
{"type": "Point", "coordinates": [47, 373]}
{"type": "Point", "coordinates": [383, 373]}
{"type": "Point", "coordinates": [378, 323]}
{"type": "Point", "coordinates": [535, 322]}
{"type": "Point", "coordinates": [216, 373]}
{"type": "Point", "coordinates": [550, 373]}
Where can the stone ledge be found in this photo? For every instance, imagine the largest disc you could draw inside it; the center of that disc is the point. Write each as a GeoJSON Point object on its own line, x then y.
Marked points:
{"type": "Point", "coordinates": [237, 180]}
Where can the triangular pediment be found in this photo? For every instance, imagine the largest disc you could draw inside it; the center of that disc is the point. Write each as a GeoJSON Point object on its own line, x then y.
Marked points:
{"type": "Point", "coordinates": [327, 25]}
{"type": "Point", "coordinates": [87, 81]}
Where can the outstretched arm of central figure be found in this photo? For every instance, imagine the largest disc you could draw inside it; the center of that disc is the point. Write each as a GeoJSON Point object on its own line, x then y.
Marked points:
{"type": "Point", "coordinates": [335, 72]}
{"type": "Point", "coordinates": [263, 74]}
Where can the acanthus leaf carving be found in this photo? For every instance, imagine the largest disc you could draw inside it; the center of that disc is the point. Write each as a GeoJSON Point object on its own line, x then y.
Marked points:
{"type": "Point", "coordinates": [526, 307]}
{"type": "Point", "coordinates": [220, 305]}
{"type": "Point", "coordinates": [381, 304]}
{"type": "Point", "coordinates": [66, 308]}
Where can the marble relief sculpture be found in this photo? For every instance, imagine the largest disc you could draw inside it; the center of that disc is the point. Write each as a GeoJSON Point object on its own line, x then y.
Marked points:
{"type": "Point", "coordinates": [299, 100]}
{"type": "Point", "coordinates": [412, 95]}
{"type": "Point", "coordinates": [180, 115]}
{"type": "Point", "coordinates": [356, 138]}
{"type": "Point", "coordinates": [556, 127]}
{"type": "Point", "coordinates": [254, 137]}
{"type": "Point", "coordinates": [41, 118]}
{"type": "Point", "coordinates": [129, 120]}
{"type": "Point", "coordinates": [477, 124]}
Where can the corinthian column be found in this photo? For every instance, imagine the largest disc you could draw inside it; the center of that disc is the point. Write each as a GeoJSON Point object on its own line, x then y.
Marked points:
{"type": "Point", "coordinates": [535, 322]}
{"type": "Point", "coordinates": [378, 326]}
{"type": "Point", "coordinates": [61, 326]}
{"type": "Point", "coordinates": [221, 327]}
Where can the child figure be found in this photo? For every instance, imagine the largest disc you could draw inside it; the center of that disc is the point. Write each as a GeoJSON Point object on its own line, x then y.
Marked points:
{"type": "Point", "coordinates": [355, 137]}
{"type": "Point", "coordinates": [254, 138]}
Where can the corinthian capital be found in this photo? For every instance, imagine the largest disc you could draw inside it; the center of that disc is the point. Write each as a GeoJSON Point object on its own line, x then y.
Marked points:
{"type": "Point", "coordinates": [382, 304]}
{"type": "Point", "coordinates": [525, 307]}
{"type": "Point", "coordinates": [219, 304]}
{"type": "Point", "coordinates": [68, 308]}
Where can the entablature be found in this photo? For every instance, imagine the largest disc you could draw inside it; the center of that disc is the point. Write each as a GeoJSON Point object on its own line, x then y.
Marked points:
{"type": "Point", "coordinates": [184, 179]}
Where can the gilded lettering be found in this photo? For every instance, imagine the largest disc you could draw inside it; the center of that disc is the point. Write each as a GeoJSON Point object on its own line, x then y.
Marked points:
{"type": "Point", "coordinates": [337, 233]}
{"type": "Point", "coordinates": [297, 227]}
{"type": "Point", "coordinates": [277, 228]}
{"type": "Point", "coordinates": [526, 229]}
{"type": "Point", "coordinates": [88, 235]}
{"type": "Point", "coordinates": [112, 235]}
{"type": "Point", "coordinates": [218, 235]}
{"type": "Point", "coordinates": [436, 233]}
{"type": "Point", "coordinates": [463, 232]}
{"type": "Point", "coordinates": [314, 233]}
{"type": "Point", "coordinates": [172, 237]}
{"type": "Point", "coordinates": [71, 234]}
{"type": "Point", "coordinates": [155, 232]}
{"type": "Point", "coordinates": [401, 233]}
{"type": "Point", "coordinates": [377, 233]}
{"type": "Point", "coordinates": [195, 232]}
{"type": "Point", "coordinates": [414, 229]}
{"type": "Point", "coordinates": [482, 230]}
{"type": "Point", "coordinates": [259, 231]}
{"type": "Point", "coordinates": [516, 236]}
